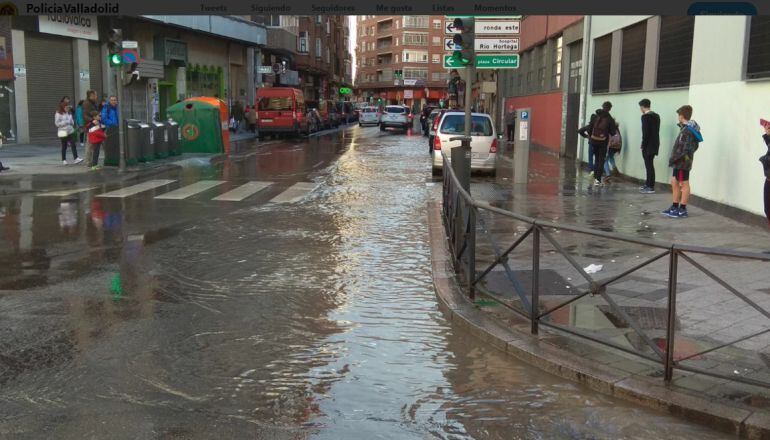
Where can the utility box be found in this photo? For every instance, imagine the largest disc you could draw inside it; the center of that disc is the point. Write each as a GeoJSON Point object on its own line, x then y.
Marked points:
{"type": "Point", "coordinates": [147, 151]}
{"type": "Point", "coordinates": [160, 136]}
{"type": "Point", "coordinates": [134, 140]}
{"type": "Point", "coordinates": [174, 138]}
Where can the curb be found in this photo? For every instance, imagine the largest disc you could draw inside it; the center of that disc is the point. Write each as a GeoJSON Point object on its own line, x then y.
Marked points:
{"type": "Point", "coordinates": [533, 350]}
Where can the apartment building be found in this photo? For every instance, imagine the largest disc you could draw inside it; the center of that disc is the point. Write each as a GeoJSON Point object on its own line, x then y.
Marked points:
{"type": "Point", "coordinates": [413, 44]}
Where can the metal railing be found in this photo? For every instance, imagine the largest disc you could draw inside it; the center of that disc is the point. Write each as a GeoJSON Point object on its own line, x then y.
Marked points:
{"type": "Point", "coordinates": [463, 220]}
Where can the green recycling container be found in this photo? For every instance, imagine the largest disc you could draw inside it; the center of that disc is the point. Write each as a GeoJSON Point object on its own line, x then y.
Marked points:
{"type": "Point", "coordinates": [200, 125]}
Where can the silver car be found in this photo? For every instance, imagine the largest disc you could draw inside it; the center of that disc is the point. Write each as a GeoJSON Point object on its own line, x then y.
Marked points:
{"type": "Point", "coordinates": [395, 116]}
{"type": "Point", "coordinates": [369, 115]}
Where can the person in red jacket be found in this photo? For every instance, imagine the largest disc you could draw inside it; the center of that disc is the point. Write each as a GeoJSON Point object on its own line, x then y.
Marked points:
{"type": "Point", "coordinates": [96, 136]}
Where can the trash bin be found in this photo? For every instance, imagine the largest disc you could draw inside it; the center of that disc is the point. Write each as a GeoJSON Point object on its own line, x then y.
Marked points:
{"type": "Point", "coordinates": [160, 136]}
{"type": "Point", "coordinates": [136, 137]}
{"type": "Point", "coordinates": [174, 138]}
{"type": "Point", "coordinates": [111, 148]}
{"type": "Point", "coordinates": [203, 125]}
{"type": "Point", "coordinates": [147, 153]}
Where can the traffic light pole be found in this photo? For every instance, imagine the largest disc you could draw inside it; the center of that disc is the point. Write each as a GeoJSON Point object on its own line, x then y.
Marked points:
{"type": "Point", "coordinates": [121, 137]}
{"type": "Point", "coordinates": [469, 72]}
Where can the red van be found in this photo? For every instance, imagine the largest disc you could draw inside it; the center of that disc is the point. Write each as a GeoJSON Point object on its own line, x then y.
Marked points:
{"type": "Point", "coordinates": [281, 110]}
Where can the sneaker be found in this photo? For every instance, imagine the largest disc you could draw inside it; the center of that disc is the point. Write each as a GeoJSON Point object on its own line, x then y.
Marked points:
{"type": "Point", "coordinates": [647, 190]}
{"type": "Point", "coordinates": [673, 211]}
{"type": "Point", "coordinates": [643, 187]}
{"type": "Point", "coordinates": [681, 213]}
{"type": "Point", "coordinates": [64, 162]}
{"type": "Point", "coordinates": [78, 160]}
{"type": "Point", "coordinates": [94, 168]}
{"type": "Point", "coordinates": [597, 183]}
{"type": "Point", "coordinates": [591, 174]}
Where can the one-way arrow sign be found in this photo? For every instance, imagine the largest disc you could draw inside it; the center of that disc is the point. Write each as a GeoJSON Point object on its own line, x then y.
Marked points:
{"type": "Point", "coordinates": [450, 45]}
{"type": "Point", "coordinates": [449, 27]}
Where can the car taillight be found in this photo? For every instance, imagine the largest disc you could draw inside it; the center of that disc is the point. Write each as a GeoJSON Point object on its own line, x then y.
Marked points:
{"type": "Point", "coordinates": [493, 148]}
{"type": "Point", "coordinates": [437, 143]}
{"type": "Point", "coordinates": [294, 116]}
{"type": "Point", "coordinates": [435, 124]}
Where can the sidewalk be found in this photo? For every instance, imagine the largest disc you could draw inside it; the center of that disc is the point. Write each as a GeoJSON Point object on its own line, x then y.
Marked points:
{"type": "Point", "coordinates": [708, 315]}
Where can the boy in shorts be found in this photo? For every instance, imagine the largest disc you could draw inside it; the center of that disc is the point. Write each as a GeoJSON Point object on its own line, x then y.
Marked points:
{"type": "Point", "coordinates": [682, 154]}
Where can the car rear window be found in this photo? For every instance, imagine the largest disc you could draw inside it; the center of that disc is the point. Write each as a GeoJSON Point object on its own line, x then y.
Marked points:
{"type": "Point", "coordinates": [370, 110]}
{"type": "Point", "coordinates": [455, 124]}
{"type": "Point", "coordinates": [395, 109]}
{"type": "Point", "coordinates": [275, 104]}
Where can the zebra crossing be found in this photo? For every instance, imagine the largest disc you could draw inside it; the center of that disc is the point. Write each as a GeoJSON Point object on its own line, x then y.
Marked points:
{"type": "Point", "coordinates": [164, 191]}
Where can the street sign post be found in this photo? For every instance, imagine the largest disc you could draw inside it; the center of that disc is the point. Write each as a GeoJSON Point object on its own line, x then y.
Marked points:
{"type": "Point", "coordinates": [497, 44]}
{"type": "Point", "coordinates": [128, 44]}
{"type": "Point", "coordinates": [505, 61]}
{"type": "Point", "coordinates": [497, 27]}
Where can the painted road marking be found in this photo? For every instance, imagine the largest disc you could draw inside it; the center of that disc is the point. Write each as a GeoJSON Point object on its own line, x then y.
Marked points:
{"type": "Point", "coordinates": [190, 190]}
{"type": "Point", "coordinates": [294, 193]}
{"type": "Point", "coordinates": [243, 191]}
{"type": "Point", "coordinates": [67, 192]}
{"type": "Point", "coordinates": [136, 189]}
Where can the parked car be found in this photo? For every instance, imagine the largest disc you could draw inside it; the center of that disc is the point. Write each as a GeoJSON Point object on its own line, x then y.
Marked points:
{"type": "Point", "coordinates": [281, 110]}
{"type": "Point", "coordinates": [369, 115]}
{"type": "Point", "coordinates": [433, 120]}
{"type": "Point", "coordinates": [426, 111]}
{"type": "Point", "coordinates": [396, 116]}
{"type": "Point", "coordinates": [483, 140]}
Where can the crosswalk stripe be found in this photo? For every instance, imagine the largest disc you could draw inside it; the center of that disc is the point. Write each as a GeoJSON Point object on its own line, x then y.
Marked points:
{"type": "Point", "coordinates": [243, 191]}
{"type": "Point", "coordinates": [67, 192]}
{"type": "Point", "coordinates": [190, 190]}
{"type": "Point", "coordinates": [136, 189]}
{"type": "Point", "coordinates": [294, 193]}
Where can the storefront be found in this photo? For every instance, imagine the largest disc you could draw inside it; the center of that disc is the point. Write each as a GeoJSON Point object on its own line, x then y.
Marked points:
{"type": "Point", "coordinates": [7, 112]}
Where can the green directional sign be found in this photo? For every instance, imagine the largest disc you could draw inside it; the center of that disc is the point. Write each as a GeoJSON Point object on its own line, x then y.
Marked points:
{"type": "Point", "coordinates": [510, 61]}
{"type": "Point", "coordinates": [452, 63]}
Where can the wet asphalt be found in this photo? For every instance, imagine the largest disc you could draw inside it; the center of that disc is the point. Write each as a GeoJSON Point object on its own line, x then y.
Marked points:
{"type": "Point", "coordinates": [271, 317]}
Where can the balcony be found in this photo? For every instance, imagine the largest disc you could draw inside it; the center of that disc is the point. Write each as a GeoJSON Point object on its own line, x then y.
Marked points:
{"type": "Point", "coordinates": [384, 29]}
{"type": "Point", "coordinates": [282, 41]}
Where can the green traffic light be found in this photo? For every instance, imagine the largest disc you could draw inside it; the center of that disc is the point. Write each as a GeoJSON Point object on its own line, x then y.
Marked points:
{"type": "Point", "coordinates": [115, 59]}
{"type": "Point", "coordinates": [457, 56]}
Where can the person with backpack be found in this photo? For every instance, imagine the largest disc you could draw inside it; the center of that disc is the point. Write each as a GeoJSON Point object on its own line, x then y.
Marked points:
{"type": "Point", "coordinates": [682, 154]}
{"type": "Point", "coordinates": [614, 146]}
{"type": "Point", "coordinates": [650, 144]}
{"type": "Point", "coordinates": [585, 132]}
{"type": "Point", "coordinates": [598, 131]}
{"type": "Point", "coordinates": [766, 165]}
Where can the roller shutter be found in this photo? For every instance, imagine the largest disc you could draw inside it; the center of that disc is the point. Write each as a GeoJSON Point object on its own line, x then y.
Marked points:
{"type": "Point", "coordinates": [49, 77]}
{"type": "Point", "coordinates": [96, 62]}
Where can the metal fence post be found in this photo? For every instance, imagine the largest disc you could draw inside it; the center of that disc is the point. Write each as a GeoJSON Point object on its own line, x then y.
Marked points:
{"type": "Point", "coordinates": [471, 251]}
{"type": "Point", "coordinates": [671, 321]}
{"type": "Point", "coordinates": [535, 306]}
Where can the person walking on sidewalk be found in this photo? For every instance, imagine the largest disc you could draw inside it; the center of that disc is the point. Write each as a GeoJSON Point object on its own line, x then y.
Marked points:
{"type": "Point", "coordinates": [598, 131]}
{"type": "Point", "coordinates": [682, 154]}
{"type": "Point", "coordinates": [766, 164]}
{"type": "Point", "coordinates": [585, 133]}
{"type": "Point", "coordinates": [65, 130]}
{"type": "Point", "coordinates": [614, 146]}
{"type": "Point", "coordinates": [650, 143]}
{"type": "Point", "coordinates": [96, 137]}
{"type": "Point", "coordinates": [510, 121]}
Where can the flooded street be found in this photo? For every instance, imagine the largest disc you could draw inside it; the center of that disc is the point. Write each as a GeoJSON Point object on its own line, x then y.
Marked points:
{"type": "Point", "coordinates": [289, 299]}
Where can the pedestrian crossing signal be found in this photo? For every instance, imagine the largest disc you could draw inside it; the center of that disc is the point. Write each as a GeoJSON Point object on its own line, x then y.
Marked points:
{"type": "Point", "coordinates": [115, 59]}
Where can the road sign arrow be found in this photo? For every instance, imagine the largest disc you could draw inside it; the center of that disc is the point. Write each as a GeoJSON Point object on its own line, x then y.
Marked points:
{"type": "Point", "coordinates": [450, 27]}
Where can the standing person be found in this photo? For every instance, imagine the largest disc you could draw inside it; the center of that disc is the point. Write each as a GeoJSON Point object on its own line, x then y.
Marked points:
{"type": "Point", "coordinates": [682, 154]}
{"type": "Point", "coordinates": [510, 121]}
{"type": "Point", "coordinates": [766, 164]}
{"type": "Point", "coordinates": [109, 119]}
{"type": "Point", "coordinates": [598, 132]}
{"type": "Point", "coordinates": [614, 146]}
{"type": "Point", "coordinates": [80, 123]}
{"type": "Point", "coordinates": [65, 128]}
{"type": "Point", "coordinates": [585, 132]}
{"type": "Point", "coordinates": [252, 118]}
{"type": "Point", "coordinates": [650, 143]}
{"type": "Point", "coordinates": [90, 105]}
{"type": "Point", "coordinates": [96, 137]}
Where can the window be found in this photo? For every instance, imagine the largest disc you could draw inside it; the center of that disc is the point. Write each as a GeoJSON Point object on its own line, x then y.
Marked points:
{"type": "Point", "coordinates": [675, 51]}
{"type": "Point", "coordinates": [542, 53]}
{"type": "Point", "coordinates": [302, 42]}
{"type": "Point", "coordinates": [415, 56]}
{"type": "Point", "coordinates": [455, 124]}
{"type": "Point", "coordinates": [415, 39]}
{"type": "Point", "coordinates": [396, 41]}
{"type": "Point", "coordinates": [397, 58]}
{"type": "Point", "coordinates": [439, 76]}
{"type": "Point", "coordinates": [436, 41]}
{"type": "Point", "coordinates": [415, 73]}
{"type": "Point", "coordinates": [759, 48]}
{"type": "Point", "coordinates": [328, 26]}
{"type": "Point", "coordinates": [319, 19]}
{"type": "Point", "coordinates": [632, 57]}
{"type": "Point", "coordinates": [556, 67]}
{"type": "Point", "coordinates": [416, 21]}
{"type": "Point", "coordinates": [601, 71]}
{"type": "Point", "coordinates": [436, 58]}
{"type": "Point", "coordinates": [436, 24]}
{"type": "Point", "coordinates": [328, 55]}
{"type": "Point", "coordinates": [318, 47]}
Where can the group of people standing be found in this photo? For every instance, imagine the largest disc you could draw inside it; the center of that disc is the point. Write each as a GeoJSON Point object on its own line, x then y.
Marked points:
{"type": "Point", "coordinates": [88, 124]}
{"type": "Point", "coordinates": [604, 142]}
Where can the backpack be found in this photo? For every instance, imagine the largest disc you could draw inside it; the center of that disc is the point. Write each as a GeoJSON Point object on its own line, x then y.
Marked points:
{"type": "Point", "coordinates": [601, 129]}
{"type": "Point", "coordinates": [616, 142]}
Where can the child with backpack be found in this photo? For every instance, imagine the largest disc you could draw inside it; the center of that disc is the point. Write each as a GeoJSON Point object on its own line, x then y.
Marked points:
{"type": "Point", "coordinates": [614, 146]}
{"type": "Point", "coordinates": [598, 132]}
{"type": "Point", "coordinates": [682, 154]}
{"type": "Point", "coordinates": [96, 137]}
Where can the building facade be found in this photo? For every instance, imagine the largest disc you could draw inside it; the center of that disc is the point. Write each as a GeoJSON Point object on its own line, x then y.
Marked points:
{"type": "Point", "coordinates": [412, 44]}
{"type": "Point", "coordinates": [547, 81]}
{"type": "Point", "coordinates": [673, 61]}
{"type": "Point", "coordinates": [323, 56]}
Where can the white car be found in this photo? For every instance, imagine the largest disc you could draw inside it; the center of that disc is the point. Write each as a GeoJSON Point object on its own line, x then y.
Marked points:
{"type": "Point", "coordinates": [369, 115]}
{"type": "Point", "coordinates": [483, 140]}
{"type": "Point", "coordinates": [395, 116]}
